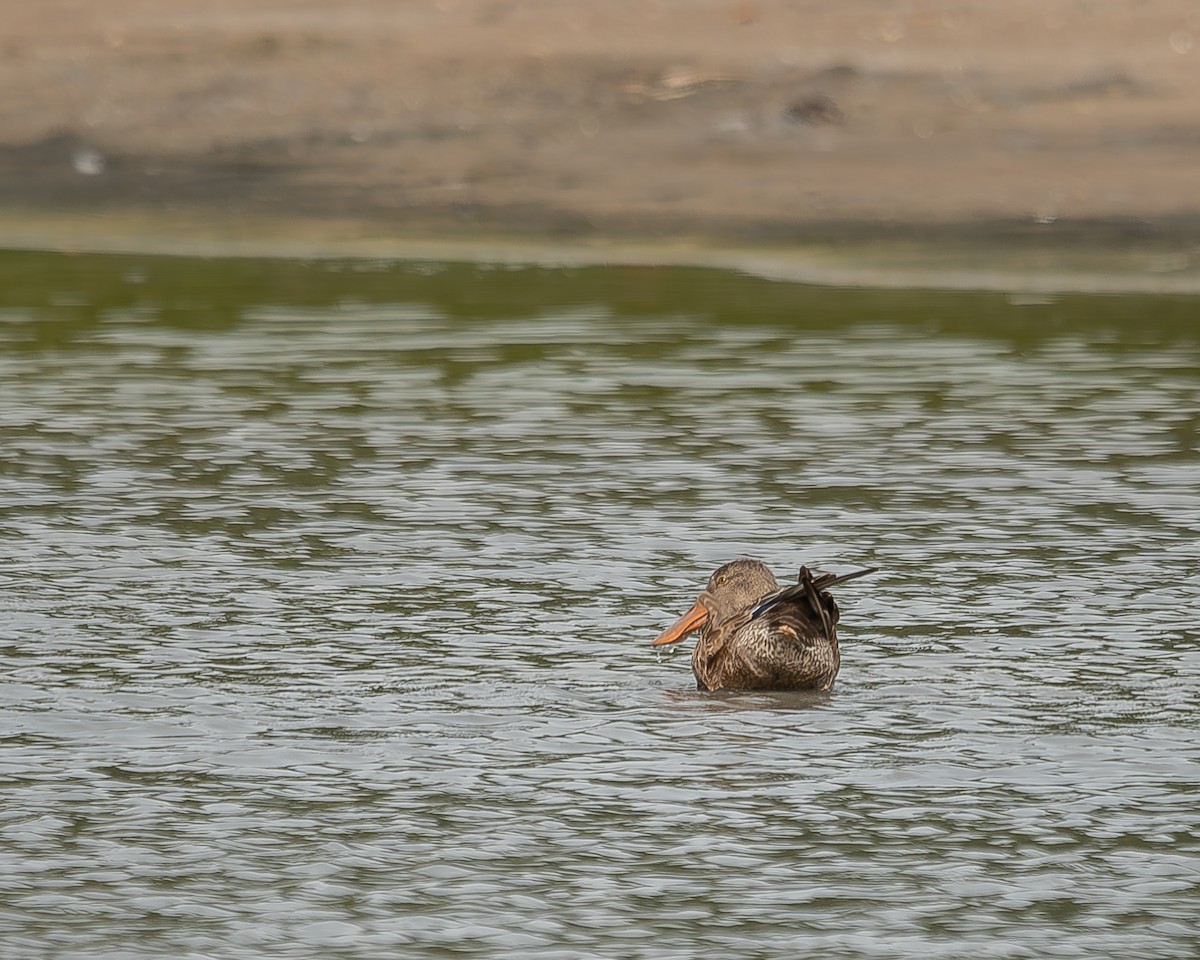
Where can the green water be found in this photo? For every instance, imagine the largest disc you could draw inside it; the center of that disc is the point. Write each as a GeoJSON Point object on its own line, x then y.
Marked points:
{"type": "Point", "coordinates": [328, 591]}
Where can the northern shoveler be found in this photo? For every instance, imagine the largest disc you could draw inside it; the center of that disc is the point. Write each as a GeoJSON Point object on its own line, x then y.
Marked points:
{"type": "Point", "coordinates": [756, 636]}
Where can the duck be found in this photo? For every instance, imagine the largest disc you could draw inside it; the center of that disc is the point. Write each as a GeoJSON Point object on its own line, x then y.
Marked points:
{"type": "Point", "coordinates": [756, 635]}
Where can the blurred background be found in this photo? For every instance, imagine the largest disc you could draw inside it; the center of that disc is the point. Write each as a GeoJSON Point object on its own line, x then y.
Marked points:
{"type": "Point", "coordinates": [734, 121]}
{"type": "Point", "coordinates": [330, 554]}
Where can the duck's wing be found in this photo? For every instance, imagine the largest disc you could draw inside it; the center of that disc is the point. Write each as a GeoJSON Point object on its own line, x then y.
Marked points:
{"type": "Point", "coordinates": [806, 601]}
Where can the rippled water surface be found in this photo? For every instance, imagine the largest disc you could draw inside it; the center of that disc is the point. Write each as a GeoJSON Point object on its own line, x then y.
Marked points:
{"type": "Point", "coordinates": [327, 593]}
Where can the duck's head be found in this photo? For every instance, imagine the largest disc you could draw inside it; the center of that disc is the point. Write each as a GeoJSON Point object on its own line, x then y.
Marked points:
{"type": "Point", "coordinates": [731, 593]}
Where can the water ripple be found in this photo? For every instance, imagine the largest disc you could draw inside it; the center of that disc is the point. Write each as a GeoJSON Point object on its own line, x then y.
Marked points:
{"type": "Point", "coordinates": [324, 633]}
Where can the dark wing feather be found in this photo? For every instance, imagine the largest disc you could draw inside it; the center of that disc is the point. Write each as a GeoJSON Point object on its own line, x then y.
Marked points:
{"type": "Point", "coordinates": [809, 587]}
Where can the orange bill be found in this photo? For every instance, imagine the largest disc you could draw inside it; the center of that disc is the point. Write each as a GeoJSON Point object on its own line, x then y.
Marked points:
{"type": "Point", "coordinates": [694, 619]}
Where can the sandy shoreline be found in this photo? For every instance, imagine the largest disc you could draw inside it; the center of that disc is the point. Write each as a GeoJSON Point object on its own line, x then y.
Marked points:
{"type": "Point", "coordinates": [889, 143]}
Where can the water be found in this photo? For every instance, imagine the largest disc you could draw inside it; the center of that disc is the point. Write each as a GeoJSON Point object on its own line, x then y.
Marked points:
{"type": "Point", "coordinates": [327, 593]}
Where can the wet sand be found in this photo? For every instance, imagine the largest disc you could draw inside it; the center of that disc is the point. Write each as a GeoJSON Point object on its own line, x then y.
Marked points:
{"type": "Point", "coordinates": [913, 140]}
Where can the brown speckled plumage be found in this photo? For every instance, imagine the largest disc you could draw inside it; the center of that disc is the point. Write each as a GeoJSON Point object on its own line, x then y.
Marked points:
{"type": "Point", "coordinates": [756, 636]}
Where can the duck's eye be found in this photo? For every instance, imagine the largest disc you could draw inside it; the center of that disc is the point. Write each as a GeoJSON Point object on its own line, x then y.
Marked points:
{"type": "Point", "coordinates": [721, 580]}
